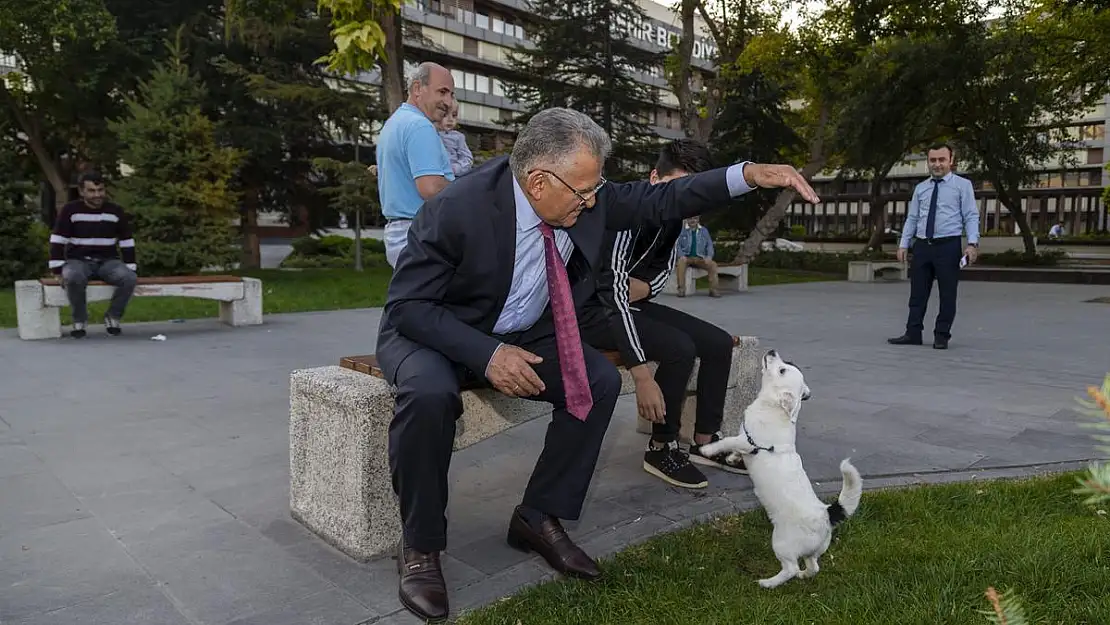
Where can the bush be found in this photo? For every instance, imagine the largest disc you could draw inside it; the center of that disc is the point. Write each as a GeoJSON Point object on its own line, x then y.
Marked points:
{"type": "Point", "coordinates": [24, 243]}
{"type": "Point", "coordinates": [1015, 258]}
{"type": "Point", "coordinates": [333, 252]}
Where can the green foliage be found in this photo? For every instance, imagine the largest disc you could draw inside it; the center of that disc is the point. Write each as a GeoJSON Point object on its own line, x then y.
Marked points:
{"type": "Point", "coordinates": [179, 193]}
{"type": "Point", "coordinates": [1015, 258]}
{"type": "Point", "coordinates": [581, 58]}
{"type": "Point", "coordinates": [355, 189]}
{"type": "Point", "coordinates": [357, 32]}
{"type": "Point", "coordinates": [1096, 484]}
{"type": "Point", "coordinates": [1005, 609]}
{"type": "Point", "coordinates": [333, 251]}
{"type": "Point", "coordinates": [23, 241]}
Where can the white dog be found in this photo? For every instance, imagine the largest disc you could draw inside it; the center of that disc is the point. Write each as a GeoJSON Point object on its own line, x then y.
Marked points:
{"type": "Point", "coordinates": [803, 523]}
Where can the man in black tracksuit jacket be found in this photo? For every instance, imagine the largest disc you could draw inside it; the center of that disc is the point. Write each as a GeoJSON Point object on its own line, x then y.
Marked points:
{"type": "Point", "coordinates": [639, 262]}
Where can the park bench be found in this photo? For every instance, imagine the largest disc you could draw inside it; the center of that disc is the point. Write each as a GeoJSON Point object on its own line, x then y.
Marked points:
{"type": "Point", "coordinates": [38, 302]}
{"type": "Point", "coordinates": [339, 415]}
{"type": "Point", "coordinates": [729, 277]}
{"type": "Point", "coordinates": [877, 271]}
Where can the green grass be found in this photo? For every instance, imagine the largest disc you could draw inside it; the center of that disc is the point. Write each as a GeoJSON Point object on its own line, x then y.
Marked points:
{"type": "Point", "coordinates": [310, 290]}
{"type": "Point", "coordinates": [917, 556]}
{"type": "Point", "coordinates": [283, 292]}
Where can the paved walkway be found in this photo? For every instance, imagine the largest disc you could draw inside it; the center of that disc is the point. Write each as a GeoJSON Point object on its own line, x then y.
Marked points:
{"type": "Point", "coordinates": [147, 482]}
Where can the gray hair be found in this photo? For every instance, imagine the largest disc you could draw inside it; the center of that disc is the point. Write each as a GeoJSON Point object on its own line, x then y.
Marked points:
{"type": "Point", "coordinates": [422, 74]}
{"type": "Point", "coordinates": [552, 136]}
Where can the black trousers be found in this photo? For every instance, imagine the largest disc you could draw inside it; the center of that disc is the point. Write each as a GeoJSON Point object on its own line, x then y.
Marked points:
{"type": "Point", "coordinates": [422, 432]}
{"type": "Point", "coordinates": [674, 339]}
{"type": "Point", "coordinates": [939, 260]}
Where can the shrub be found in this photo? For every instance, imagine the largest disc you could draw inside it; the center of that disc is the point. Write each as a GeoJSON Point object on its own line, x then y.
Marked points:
{"type": "Point", "coordinates": [333, 251]}
{"type": "Point", "coordinates": [24, 242]}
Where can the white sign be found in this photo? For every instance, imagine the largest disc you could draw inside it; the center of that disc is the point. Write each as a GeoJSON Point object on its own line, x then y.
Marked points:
{"type": "Point", "coordinates": [663, 36]}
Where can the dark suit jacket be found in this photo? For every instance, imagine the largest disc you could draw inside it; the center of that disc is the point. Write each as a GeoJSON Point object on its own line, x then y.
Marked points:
{"type": "Point", "coordinates": [452, 279]}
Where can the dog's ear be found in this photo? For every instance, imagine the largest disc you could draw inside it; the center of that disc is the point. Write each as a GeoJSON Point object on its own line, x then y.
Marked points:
{"type": "Point", "coordinates": [791, 404]}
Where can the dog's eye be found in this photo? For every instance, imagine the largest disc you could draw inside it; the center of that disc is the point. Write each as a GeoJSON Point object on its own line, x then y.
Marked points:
{"type": "Point", "coordinates": [782, 370]}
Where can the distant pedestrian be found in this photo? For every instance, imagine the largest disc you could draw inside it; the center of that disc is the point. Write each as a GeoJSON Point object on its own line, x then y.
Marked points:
{"type": "Point", "coordinates": [941, 210]}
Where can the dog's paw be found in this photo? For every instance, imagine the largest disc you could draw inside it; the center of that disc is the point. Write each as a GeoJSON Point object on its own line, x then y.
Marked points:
{"type": "Point", "coordinates": [806, 574]}
{"type": "Point", "coordinates": [768, 583]}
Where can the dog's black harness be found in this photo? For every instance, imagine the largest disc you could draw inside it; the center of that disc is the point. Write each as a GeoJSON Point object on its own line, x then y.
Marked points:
{"type": "Point", "coordinates": [755, 448]}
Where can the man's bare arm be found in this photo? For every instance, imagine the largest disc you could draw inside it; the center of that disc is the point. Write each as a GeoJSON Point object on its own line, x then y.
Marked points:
{"type": "Point", "coordinates": [429, 186]}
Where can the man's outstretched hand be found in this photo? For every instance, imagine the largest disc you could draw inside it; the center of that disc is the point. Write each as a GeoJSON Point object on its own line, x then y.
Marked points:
{"type": "Point", "coordinates": [510, 371]}
{"type": "Point", "coordinates": [779, 176]}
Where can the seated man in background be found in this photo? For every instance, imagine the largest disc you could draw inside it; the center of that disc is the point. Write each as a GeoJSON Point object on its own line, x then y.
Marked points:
{"type": "Point", "coordinates": [637, 267]}
{"type": "Point", "coordinates": [695, 247]}
{"type": "Point", "coordinates": [92, 240]}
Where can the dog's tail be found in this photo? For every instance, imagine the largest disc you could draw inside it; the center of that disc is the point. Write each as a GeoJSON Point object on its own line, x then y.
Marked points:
{"type": "Point", "coordinates": [850, 492]}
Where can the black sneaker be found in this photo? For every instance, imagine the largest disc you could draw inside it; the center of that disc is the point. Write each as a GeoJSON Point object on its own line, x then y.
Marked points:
{"type": "Point", "coordinates": [719, 461]}
{"type": "Point", "coordinates": [78, 331]}
{"type": "Point", "coordinates": [672, 465]}
{"type": "Point", "coordinates": [112, 325]}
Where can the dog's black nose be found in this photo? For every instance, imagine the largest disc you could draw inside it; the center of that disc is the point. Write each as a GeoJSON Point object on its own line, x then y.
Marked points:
{"type": "Point", "coordinates": [772, 353]}
{"type": "Point", "coordinates": [805, 396]}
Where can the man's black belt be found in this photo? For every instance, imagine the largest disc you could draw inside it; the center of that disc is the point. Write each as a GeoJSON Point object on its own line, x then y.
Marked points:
{"type": "Point", "coordinates": [938, 240]}
{"type": "Point", "coordinates": [390, 220]}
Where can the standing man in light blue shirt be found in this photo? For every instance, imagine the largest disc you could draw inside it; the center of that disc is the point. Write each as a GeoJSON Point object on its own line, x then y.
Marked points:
{"type": "Point", "coordinates": [942, 209]}
{"type": "Point", "coordinates": [413, 165]}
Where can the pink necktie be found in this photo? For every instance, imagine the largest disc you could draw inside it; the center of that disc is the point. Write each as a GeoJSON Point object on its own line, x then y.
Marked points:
{"type": "Point", "coordinates": [572, 364]}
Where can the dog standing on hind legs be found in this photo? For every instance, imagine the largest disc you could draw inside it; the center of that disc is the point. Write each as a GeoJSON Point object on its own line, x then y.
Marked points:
{"type": "Point", "coordinates": [803, 523]}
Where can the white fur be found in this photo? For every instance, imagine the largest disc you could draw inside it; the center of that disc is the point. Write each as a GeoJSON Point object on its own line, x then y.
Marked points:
{"type": "Point", "coordinates": [801, 520]}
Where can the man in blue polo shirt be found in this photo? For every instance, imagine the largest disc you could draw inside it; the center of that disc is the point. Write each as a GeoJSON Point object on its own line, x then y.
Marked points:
{"type": "Point", "coordinates": [413, 164]}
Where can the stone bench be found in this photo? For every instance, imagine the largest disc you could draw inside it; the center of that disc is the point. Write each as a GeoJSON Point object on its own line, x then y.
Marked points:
{"type": "Point", "coordinates": [729, 277]}
{"type": "Point", "coordinates": [877, 271]}
{"type": "Point", "coordinates": [339, 416]}
{"type": "Point", "coordinates": [38, 302]}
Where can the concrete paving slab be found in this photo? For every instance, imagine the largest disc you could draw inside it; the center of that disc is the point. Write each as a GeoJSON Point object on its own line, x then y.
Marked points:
{"type": "Point", "coordinates": [164, 466]}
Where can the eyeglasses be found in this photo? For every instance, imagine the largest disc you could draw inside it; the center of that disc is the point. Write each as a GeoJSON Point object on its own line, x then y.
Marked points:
{"type": "Point", "coordinates": [583, 196]}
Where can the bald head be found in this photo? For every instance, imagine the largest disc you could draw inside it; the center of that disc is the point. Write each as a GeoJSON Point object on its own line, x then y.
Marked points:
{"type": "Point", "coordinates": [432, 90]}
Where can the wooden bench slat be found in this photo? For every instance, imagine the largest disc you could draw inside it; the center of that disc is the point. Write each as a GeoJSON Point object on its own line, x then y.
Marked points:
{"type": "Point", "coordinates": [368, 364]}
{"type": "Point", "coordinates": [159, 280]}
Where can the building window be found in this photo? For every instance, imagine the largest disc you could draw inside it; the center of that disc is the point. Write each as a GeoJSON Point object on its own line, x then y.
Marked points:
{"type": "Point", "coordinates": [1094, 156]}
{"type": "Point", "coordinates": [498, 25]}
{"type": "Point", "coordinates": [481, 84]}
{"type": "Point", "coordinates": [482, 21]}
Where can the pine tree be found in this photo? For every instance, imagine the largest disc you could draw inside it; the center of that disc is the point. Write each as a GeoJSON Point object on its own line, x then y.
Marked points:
{"type": "Point", "coordinates": [179, 193]}
{"type": "Point", "coordinates": [584, 58]}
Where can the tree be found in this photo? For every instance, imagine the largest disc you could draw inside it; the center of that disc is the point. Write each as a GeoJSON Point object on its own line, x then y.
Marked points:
{"type": "Point", "coordinates": [356, 193]}
{"type": "Point", "coordinates": [1027, 83]}
{"type": "Point", "coordinates": [279, 105]}
{"type": "Point", "coordinates": [736, 22]}
{"type": "Point", "coordinates": [179, 193]}
{"type": "Point", "coordinates": [582, 57]}
{"type": "Point", "coordinates": [23, 239]}
{"type": "Point", "coordinates": [56, 94]}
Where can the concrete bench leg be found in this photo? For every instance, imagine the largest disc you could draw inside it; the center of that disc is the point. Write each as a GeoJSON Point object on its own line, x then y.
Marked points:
{"type": "Point", "coordinates": [36, 320]}
{"type": "Point", "coordinates": [246, 311]}
{"type": "Point", "coordinates": [735, 283]}
{"type": "Point", "coordinates": [340, 486]}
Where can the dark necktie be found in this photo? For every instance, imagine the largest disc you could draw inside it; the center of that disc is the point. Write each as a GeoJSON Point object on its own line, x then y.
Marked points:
{"type": "Point", "coordinates": [572, 363]}
{"type": "Point", "coordinates": [931, 222]}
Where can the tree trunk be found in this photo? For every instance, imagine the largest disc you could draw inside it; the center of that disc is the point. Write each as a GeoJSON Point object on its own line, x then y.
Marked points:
{"type": "Point", "coordinates": [51, 169]}
{"type": "Point", "coordinates": [877, 214]}
{"type": "Point", "coordinates": [1010, 196]}
{"type": "Point", "coordinates": [251, 257]}
{"type": "Point", "coordinates": [393, 65]}
{"type": "Point", "coordinates": [771, 219]}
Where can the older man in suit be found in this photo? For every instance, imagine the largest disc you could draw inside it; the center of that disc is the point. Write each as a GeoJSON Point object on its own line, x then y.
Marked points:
{"type": "Point", "coordinates": [487, 287]}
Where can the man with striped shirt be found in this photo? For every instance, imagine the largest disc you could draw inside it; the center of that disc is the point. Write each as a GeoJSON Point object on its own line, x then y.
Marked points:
{"type": "Point", "coordinates": [92, 240]}
{"type": "Point", "coordinates": [639, 264]}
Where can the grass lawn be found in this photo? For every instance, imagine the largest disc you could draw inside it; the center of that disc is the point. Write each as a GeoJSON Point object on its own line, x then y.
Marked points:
{"type": "Point", "coordinates": [309, 290]}
{"type": "Point", "coordinates": [917, 556]}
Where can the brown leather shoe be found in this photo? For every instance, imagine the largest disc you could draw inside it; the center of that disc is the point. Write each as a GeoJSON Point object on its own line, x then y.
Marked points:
{"type": "Point", "coordinates": [551, 542]}
{"type": "Point", "coordinates": [422, 590]}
